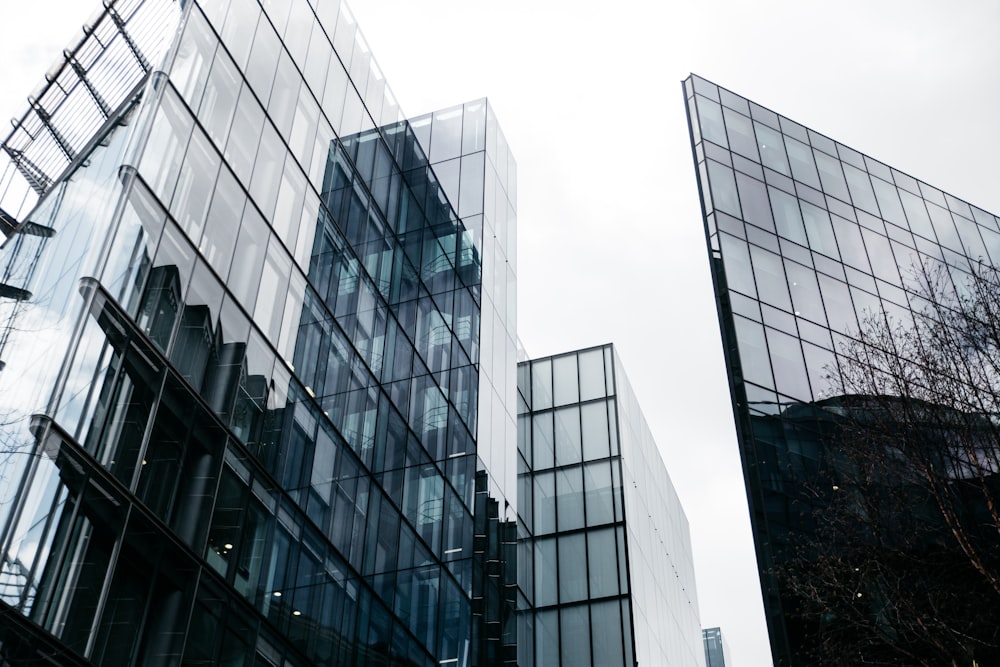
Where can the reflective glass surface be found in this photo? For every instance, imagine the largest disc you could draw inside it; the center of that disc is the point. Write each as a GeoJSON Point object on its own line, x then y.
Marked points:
{"type": "Point", "coordinates": [808, 240]}
{"type": "Point", "coordinates": [601, 522]}
{"type": "Point", "coordinates": [271, 421]}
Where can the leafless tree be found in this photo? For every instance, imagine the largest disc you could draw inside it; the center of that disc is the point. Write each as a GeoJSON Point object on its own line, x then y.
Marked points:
{"type": "Point", "coordinates": [902, 566]}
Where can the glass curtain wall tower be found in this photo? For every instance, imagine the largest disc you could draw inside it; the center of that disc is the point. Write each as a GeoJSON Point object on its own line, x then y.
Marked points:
{"type": "Point", "coordinates": [257, 354]}
{"type": "Point", "coordinates": [611, 575]}
{"type": "Point", "coordinates": [808, 241]}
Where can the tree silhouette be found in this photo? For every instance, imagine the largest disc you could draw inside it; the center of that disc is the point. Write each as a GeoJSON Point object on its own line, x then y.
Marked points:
{"type": "Point", "coordinates": [902, 561]}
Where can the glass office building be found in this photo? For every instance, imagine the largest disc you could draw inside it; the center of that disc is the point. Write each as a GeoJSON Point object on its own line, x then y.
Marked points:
{"type": "Point", "coordinates": [807, 238]}
{"type": "Point", "coordinates": [715, 647]}
{"type": "Point", "coordinates": [612, 576]}
{"type": "Point", "coordinates": [258, 362]}
{"type": "Point", "coordinates": [258, 376]}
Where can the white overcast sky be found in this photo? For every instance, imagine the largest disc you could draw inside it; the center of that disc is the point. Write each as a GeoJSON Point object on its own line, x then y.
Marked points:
{"type": "Point", "coordinates": [611, 246]}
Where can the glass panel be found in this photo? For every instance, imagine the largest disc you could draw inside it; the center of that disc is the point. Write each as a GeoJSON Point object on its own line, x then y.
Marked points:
{"type": "Point", "coordinates": [223, 222]}
{"type": "Point", "coordinates": [547, 638]}
{"type": "Point", "coordinates": [241, 149]}
{"type": "Point", "coordinates": [770, 275]}
{"type": "Point", "coordinates": [195, 185]}
{"type": "Point", "coordinates": [861, 189]}
{"type": "Point", "coordinates": [284, 95]}
{"type": "Point", "coordinates": [567, 436]}
{"type": "Point", "coordinates": [238, 32]}
{"type": "Point", "coordinates": [596, 443]}
{"type": "Point", "coordinates": [741, 136]}
{"type": "Point", "coordinates": [545, 503]}
{"type": "Point", "coordinates": [789, 366]}
{"type": "Point", "coordinates": [194, 57]}
{"type": "Point", "coordinates": [753, 351]}
{"type": "Point", "coordinates": [723, 187]}
{"type": "Point", "coordinates": [565, 382]}
{"type": "Point", "coordinates": [164, 152]}
{"type": "Point", "coordinates": [851, 246]}
{"type": "Point", "coordinates": [543, 442]}
{"type": "Point", "coordinates": [318, 61]}
{"type": "Point", "coordinates": [575, 647]}
{"type": "Point", "coordinates": [753, 199]}
{"type": "Point", "coordinates": [805, 292]}
{"type": "Point", "coordinates": [569, 498]}
{"type": "Point", "coordinates": [546, 574]}
{"type": "Point", "coordinates": [166, 288]}
{"type": "Point", "coordinates": [591, 374]}
{"type": "Point", "coordinates": [541, 384]}
{"type": "Point", "coordinates": [474, 127]}
{"type": "Point", "coordinates": [470, 201]}
{"type": "Point", "coordinates": [219, 103]}
{"type": "Point", "coordinates": [606, 625]}
{"type": "Point", "coordinates": [710, 118]}
{"type": "Point", "coordinates": [288, 205]}
{"type": "Point", "coordinates": [602, 557]}
{"type": "Point", "coordinates": [772, 149]}
{"type": "Point", "coordinates": [888, 202]}
{"type": "Point", "coordinates": [832, 176]}
{"type": "Point", "coordinates": [787, 218]}
{"type": "Point", "coordinates": [267, 169]}
{"type": "Point", "coordinates": [273, 285]}
{"type": "Point", "coordinates": [916, 214]}
{"type": "Point", "coordinates": [801, 158]}
{"type": "Point", "coordinates": [244, 277]}
{"type": "Point", "coordinates": [572, 570]}
{"type": "Point", "coordinates": [599, 499]}
{"type": "Point", "coordinates": [837, 300]}
{"type": "Point", "coordinates": [819, 230]}
{"type": "Point", "coordinates": [736, 257]}
{"type": "Point", "coordinates": [263, 59]}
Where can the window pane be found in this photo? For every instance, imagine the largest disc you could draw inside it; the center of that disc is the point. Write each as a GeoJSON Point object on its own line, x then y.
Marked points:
{"type": "Point", "coordinates": [602, 556]}
{"type": "Point", "coordinates": [832, 176]}
{"type": "Point", "coordinates": [772, 149]}
{"type": "Point", "coordinates": [244, 277]}
{"type": "Point", "coordinates": [219, 102]}
{"type": "Point", "coordinates": [267, 170]}
{"type": "Point", "coordinates": [710, 116]}
{"type": "Point", "coordinates": [787, 218]}
{"type": "Point", "coordinates": [723, 187]}
{"type": "Point", "coordinates": [195, 185]}
{"type": "Point", "coordinates": [241, 149]}
{"type": "Point", "coordinates": [547, 638]}
{"type": "Point", "coordinates": [541, 385]}
{"type": "Point", "coordinates": [572, 572]}
{"type": "Point", "coordinates": [569, 498]}
{"type": "Point", "coordinates": [801, 158]}
{"type": "Point", "coordinates": [741, 137]}
{"type": "Point", "coordinates": [546, 576]}
{"type": "Point", "coordinates": [568, 446]}
{"type": "Point", "coordinates": [223, 222]}
{"type": "Point", "coordinates": [545, 503]}
{"type": "Point", "coordinates": [591, 374]}
{"type": "Point", "coordinates": [599, 499]}
{"type": "Point", "coordinates": [596, 444]}
{"type": "Point", "coordinates": [542, 441]}
{"type": "Point", "coordinates": [565, 383]}
{"type": "Point", "coordinates": [168, 140]}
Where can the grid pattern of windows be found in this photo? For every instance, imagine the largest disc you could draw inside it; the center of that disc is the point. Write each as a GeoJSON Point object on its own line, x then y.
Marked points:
{"type": "Point", "coordinates": [262, 437]}
{"type": "Point", "coordinates": [600, 521]}
{"type": "Point", "coordinates": [477, 172]}
{"type": "Point", "coordinates": [809, 241]}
